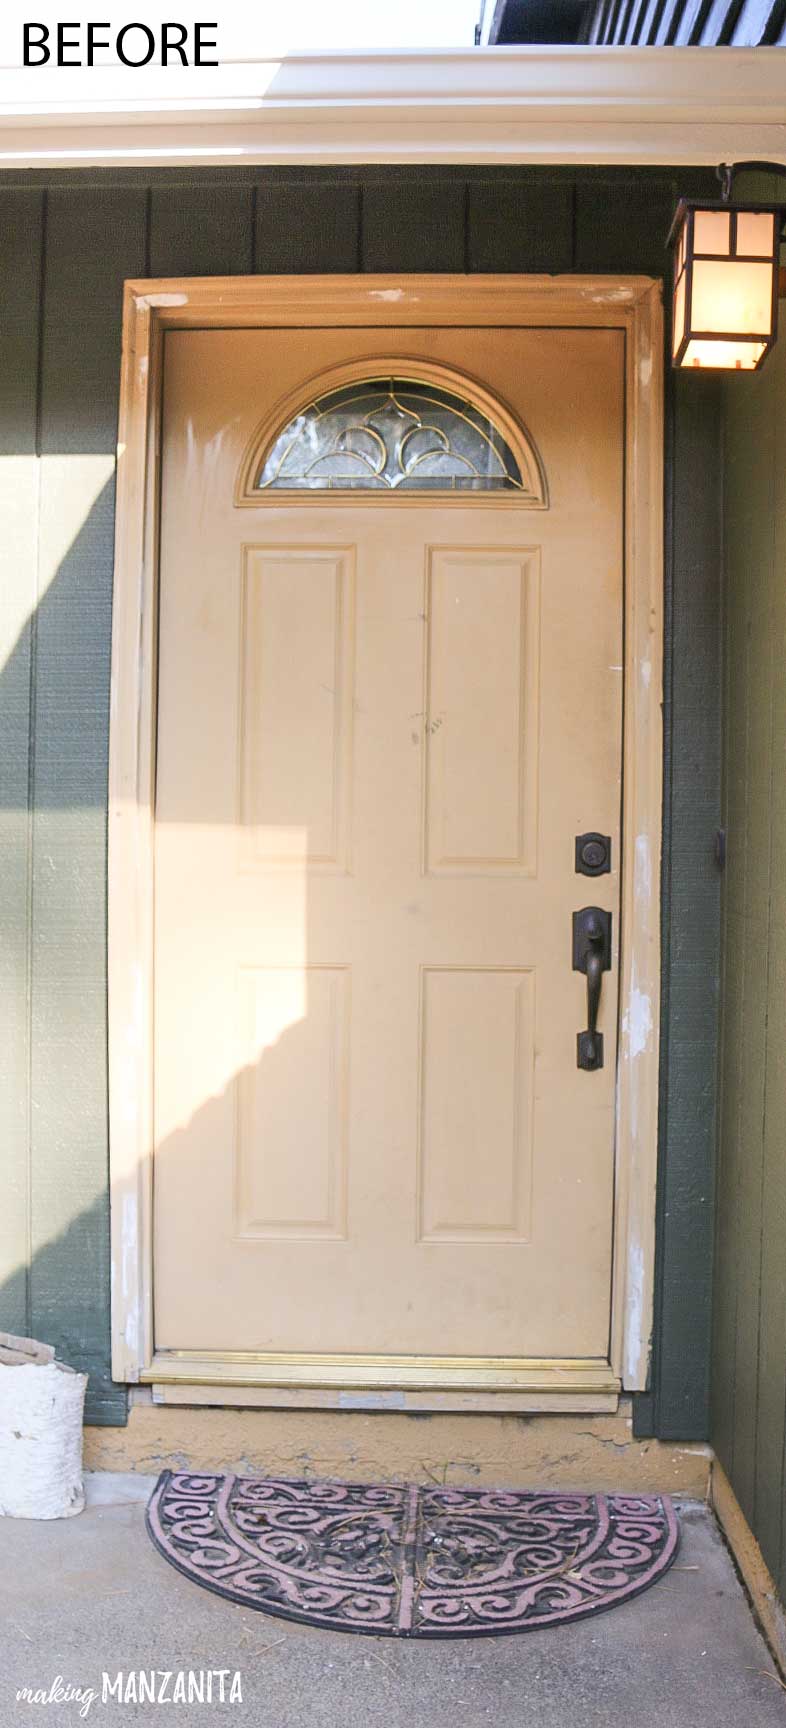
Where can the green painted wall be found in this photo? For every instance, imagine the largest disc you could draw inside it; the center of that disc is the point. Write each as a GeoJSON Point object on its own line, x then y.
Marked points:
{"type": "Point", "coordinates": [66, 244]}
{"type": "Point", "coordinates": [749, 1381]}
{"type": "Point", "coordinates": [678, 1408]}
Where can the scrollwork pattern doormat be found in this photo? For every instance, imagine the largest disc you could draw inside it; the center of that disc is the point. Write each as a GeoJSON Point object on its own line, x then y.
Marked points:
{"type": "Point", "coordinates": [411, 1562]}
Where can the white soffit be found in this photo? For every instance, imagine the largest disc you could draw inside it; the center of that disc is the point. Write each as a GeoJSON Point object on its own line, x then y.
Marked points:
{"type": "Point", "coordinates": [469, 105]}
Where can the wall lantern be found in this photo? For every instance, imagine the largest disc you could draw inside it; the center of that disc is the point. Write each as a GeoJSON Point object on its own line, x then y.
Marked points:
{"type": "Point", "coordinates": [726, 269]}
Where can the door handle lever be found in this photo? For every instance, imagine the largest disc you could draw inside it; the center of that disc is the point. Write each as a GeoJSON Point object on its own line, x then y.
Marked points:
{"type": "Point", "coordinates": [591, 955]}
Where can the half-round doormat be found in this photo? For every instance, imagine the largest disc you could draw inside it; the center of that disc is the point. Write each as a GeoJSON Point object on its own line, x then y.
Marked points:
{"type": "Point", "coordinates": [411, 1562]}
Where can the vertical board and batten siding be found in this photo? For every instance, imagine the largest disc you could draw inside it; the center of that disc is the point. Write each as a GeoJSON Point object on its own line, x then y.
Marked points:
{"type": "Point", "coordinates": [691, 894]}
{"type": "Point", "coordinates": [749, 1378]}
{"type": "Point", "coordinates": [66, 245]}
{"type": "Point", "coordinates": [21, 232]}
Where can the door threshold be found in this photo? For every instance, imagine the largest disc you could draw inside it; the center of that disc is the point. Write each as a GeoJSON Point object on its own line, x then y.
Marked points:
{"type": "Point", "coordinates": [360, 1382]}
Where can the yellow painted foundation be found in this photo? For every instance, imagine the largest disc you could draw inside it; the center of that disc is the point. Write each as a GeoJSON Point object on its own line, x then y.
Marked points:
{"type": "Point", "coordinates": [538, 1451]}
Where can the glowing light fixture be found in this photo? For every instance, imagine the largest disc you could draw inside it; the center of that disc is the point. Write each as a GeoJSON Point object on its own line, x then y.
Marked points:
{"type": "Point", "coordinates": [725, 296]}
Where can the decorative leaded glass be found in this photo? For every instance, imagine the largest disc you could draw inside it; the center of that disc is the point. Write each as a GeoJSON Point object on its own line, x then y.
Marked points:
{"type": "Point", "coordinates": [390, 434]}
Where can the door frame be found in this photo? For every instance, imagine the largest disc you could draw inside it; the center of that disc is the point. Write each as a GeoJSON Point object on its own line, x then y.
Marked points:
{"type": "Point", "coordinates": [629, 303]}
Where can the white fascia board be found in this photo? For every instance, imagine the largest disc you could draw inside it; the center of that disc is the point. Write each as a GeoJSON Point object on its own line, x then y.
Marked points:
{"type": "Point", "coordinates": [475, 105]}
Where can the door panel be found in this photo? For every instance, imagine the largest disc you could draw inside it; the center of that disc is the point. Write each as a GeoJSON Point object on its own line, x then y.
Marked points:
{"type": "Point", "coordinates": [477, 1035]}
{"type": "Point", "coordinates": [295, 1098]}
{"type": "Point", "coordinates": [296, 705]}
{"type": "Point", "coordinates": [482, 652]}
{"type": "Point", "coordinates": [381, 725]}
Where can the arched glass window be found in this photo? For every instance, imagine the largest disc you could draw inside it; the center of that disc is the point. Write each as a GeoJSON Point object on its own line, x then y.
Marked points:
{"type": "Point", "coordinates": [395, 434]}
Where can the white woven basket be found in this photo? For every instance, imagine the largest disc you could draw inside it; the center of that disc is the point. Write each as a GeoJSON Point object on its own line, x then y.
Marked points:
{"type": "Point", "coordinates": [41, 1409]}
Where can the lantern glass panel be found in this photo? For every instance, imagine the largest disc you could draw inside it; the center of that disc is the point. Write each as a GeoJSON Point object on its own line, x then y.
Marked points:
{"type": "Point", "coordinates": [711, 232]}
{"type": "Point", "coordinates": [731, 297]}
{"type": "Point", "coordinates": [724, 356]}
{"type": "Point", "coordinates": [755, 233]}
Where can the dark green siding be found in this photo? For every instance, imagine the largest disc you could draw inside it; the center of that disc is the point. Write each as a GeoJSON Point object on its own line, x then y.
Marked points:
{"type": "Point", "coordinates": [21, 229]}
{"type": "Point", "coordinates": [749, 1369]}
{"type": "Point", "coordinates": [66, 246]}
{"type": "Point", "coordinates": [691, 893]}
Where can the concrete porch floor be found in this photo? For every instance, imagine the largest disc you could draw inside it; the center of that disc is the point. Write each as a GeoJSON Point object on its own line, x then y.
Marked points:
{"type": "Point", "coordinates": [91, 1594]}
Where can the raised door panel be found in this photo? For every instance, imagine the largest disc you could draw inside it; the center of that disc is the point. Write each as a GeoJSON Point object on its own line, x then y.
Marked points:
{"type": "Point", "coordinates": [482, 610]}
{"type": "Point", "coordinates": [297, 626]}
{"type": "Point", "coordinates": [477, 1032]}
{"type": "Point", "coordinates": [292, 1096]}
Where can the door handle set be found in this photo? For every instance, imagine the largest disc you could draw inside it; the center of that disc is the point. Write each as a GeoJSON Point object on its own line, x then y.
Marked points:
{"type": "Point", "coordinates": [591, 955]}
{"type": "Point", "coordinates": [592, 945]}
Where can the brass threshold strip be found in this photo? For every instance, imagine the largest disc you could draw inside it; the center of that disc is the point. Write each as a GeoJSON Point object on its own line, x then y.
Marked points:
{"type": "Point", "coordinates": [456, 1373]}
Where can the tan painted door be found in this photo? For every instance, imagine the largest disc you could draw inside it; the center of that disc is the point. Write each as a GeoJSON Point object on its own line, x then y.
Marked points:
{"type": "Point", "coordinates": [382, 723]}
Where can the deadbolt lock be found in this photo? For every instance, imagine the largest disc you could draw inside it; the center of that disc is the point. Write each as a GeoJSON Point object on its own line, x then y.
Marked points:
{"type": "Point", "coordinates": [593, 854]}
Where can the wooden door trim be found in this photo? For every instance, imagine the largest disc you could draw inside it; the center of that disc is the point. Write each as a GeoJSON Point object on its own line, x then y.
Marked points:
{"type": "Point", "coordinates": [150, 309]}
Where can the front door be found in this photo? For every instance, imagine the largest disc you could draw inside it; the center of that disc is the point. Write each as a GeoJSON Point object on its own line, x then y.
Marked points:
{"type": "Point", "coordinates": [390, 699]}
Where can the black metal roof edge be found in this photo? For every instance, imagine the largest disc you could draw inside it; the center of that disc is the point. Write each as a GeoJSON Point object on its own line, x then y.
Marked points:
{"type": "Point", "coordinates": [635, 23]}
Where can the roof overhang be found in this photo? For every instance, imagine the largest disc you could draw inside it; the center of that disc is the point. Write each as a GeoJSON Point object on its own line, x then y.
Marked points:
{"type": "Point", "coordinates": [475, 105]}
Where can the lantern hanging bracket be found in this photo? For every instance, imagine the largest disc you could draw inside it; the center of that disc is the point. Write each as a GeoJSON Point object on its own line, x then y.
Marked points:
{"type": "Point", "coordinates": [726, 173]}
